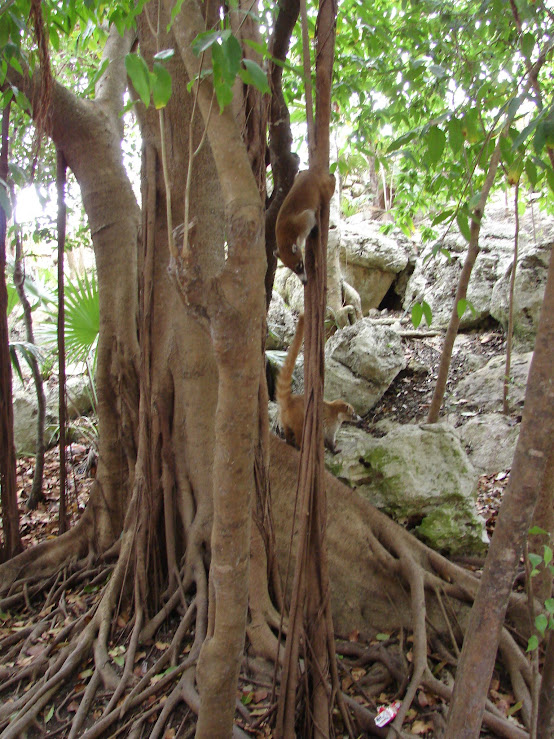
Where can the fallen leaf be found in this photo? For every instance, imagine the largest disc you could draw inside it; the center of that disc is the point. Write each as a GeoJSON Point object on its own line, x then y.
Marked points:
{"type": "Point", "coordinates": [357, 673]}
{"type": "Point", "coordinates": [421, 727]}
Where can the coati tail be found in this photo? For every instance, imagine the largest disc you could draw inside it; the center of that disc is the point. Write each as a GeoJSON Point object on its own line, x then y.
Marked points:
{"type": "Point", "coordinates": [284, 380]}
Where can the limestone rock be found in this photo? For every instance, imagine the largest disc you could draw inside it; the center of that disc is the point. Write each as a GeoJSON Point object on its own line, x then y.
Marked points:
{"type": "Point", "coordinates": [435, 278]}
{"type": "Point", "coordinates": [371, 260]}
{"type": "Point", "coordinates": [361, 361]}
{"type": "Point", "coordinates": [490, 441]}
{"type": "Point", "coordinates": [482, 390]}
{"type": "Point", "coordinates": [530, 282]}
{"type": "Point", "coordinates": [281, 324]}
{"type": "Point", "coordinates": [416, 473]}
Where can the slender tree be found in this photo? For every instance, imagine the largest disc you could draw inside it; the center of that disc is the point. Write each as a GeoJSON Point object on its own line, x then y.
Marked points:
{"type": "Point", "coordinates": [533, 450]}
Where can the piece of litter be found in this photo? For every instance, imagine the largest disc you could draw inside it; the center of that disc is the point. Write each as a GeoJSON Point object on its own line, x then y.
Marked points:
{"type": "Point", "coordinates": [385, 714]}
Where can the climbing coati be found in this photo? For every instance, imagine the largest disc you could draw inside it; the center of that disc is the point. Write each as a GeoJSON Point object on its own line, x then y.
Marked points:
{"type": "Point", "coordinates": [298, 216]}
{"type": "Point", "coordinates": [291, 407]}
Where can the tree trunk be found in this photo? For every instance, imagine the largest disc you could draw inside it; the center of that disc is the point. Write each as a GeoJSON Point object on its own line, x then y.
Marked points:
{"type": "Point", "coordinates": [527, 475]}
{"type": "Point", "coordinates": [461, 292]}
{"type": "Point", "coordinates": [545, 719]}
{"type": "Point", "coordinates": [36, 494]}
{"type": "Point", "coordinates": [8, 488]}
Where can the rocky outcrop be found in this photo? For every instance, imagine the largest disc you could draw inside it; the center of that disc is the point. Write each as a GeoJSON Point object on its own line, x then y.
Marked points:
{"type": "Point", "coordinates": [435, 278]}
{"type": "Point", "coordinates": [421, 476]}
{"type": "Point", "coordinates": [361, 361]}
{"type": "Point", "coordinates": [370, 260]}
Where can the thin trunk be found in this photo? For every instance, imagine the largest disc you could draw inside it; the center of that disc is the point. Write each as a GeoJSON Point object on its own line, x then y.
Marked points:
{"type": "Point", "coordinates": [461, 292]}
{"type": "Point", "coordinates": [510, 330]}
{"type": "Point", "coordinates": [60, 185]}
{"type": "Point", "coordinates": [8, 488]}
{"type": "Point", "coordinates": [36, 495]}
{"type": "Point", "coordinates": [545, 721]}
{"type": "Point", "coordinates": [528, 470]}
{"type": "Point", "coordinates": [232, 304]}
{"type": "Point", "coordinates": [544, 518]}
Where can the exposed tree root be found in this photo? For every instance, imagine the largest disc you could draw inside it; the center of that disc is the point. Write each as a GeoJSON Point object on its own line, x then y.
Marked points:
{"type": "Point", "coordinates": [383, 580]}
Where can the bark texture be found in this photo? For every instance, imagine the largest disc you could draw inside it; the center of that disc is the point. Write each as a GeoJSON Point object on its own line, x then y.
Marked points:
{"type": "Point", "coordinates": [10, 516]}
{"type": "Point", "coordinates": [528, 469]}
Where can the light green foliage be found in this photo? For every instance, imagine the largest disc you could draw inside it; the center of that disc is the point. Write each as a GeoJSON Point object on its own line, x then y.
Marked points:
{"type": "Point", "coordinates": [227, 63]}
{"type": "Point", "coordinates": [540, 563]}
{"type": "Point", "coordinates": [426, 88]}
{"type": "Point", "coordinates": [420, 310]}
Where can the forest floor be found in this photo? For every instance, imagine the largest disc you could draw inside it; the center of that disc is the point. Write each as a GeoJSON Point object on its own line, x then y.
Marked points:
{"type": "Point", "coordinates": [406, 401]}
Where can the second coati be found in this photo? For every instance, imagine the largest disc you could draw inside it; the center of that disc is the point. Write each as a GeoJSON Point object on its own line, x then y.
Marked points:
{"type": "Point", "coordinates": [291, 407]}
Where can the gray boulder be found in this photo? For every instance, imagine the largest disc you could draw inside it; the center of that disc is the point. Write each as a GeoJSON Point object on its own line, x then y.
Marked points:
{"type": "Point", "coordinates": [25, 408]}
{"type": "Point", "coordinates": [490, 441]}
{"type": "Point", "coordinates": [435, 278]}
{"type": "Point", "coordinates": [416, 473]}
{"type": "Point", "coordinates": [281, 324]}
{"type": "Point", "coordinates": [483, 390]}
{"type": "Point", "coordinates": [530, 282]}
{"type": "Point", "coordinates": [370, 260]}
{"type": "Point", "coordinates": [361, 361]}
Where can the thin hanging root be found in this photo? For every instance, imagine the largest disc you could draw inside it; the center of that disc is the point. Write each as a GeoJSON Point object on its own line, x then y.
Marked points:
{"type": "Point", "coordinates": [175, 697]}
{"type": "Point", "coordinates": [510, 654]}
{"type": "Point", "coordinates": [447, 622]}
{"type": "Point", "coordinates": [85, 704]}
{"type": "Point", "coordinates": [414, 575]}
{"type": "Point", "coordinates": [129, 661]}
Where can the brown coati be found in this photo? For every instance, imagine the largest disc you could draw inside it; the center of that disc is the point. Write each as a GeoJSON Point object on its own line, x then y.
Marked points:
{"type": "Point", "coordinates": [291, 407]}
{"type": "Point", "coordinates": [298, 216]}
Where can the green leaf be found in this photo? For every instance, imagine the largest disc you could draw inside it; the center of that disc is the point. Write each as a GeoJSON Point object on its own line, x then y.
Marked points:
{"type": "Point", "coordinates": [49, 714]}
{"type": "Point", "coordinates": [549, 605]}
{"type": "Point", "coordinates": [16, 64]}
{"type": "Point", "coordinates": [427, 312]}
{"type": "Point", "coordinates": [204, 41]}
{"type": "Point", "coordinates": [535, 559]}
{"type": "Point", "coordinates": [527, 44]}
{"type": "Point", "coordinates": [537, 530]}
{"type": "Point", "coordinates": [463, 225]}
{"type": "Point", "coordinates": [547, 555]}
{"type": "Point", "coordinates": [532, 644]}
{"type": "Point", "coordinates": [5, 202]}
{"type": "Point", "coordinates": [382, 637]}
{"type": "Point", "coordinates": [461, 307]}
{"type": "Point", "coordinates": [531, 172]}
{"type": "Point", "coordinates": [515, 708]}
{"type": "Point", "coordinates": [139, 75]}
{"type": "Point", "coordinates": [442, 215]}
{"type": "Point", "coordinates": [161, 88]}
{"type": "Point", "coordinates": [417, 314]}
{"type": "Point", "coordinates": [401, 141]}
{"type": "Point", "coordinates": [119, 660]}
{"type": "Point", "coordinates": [226, 58]}
{"type": "Point", "coordinates": [175, 10]}
{"type": "Point", "coordinates": [550, 178]}
{"type": "Point", "coordinates": [254, 75]}
{"type": "Point", "coordinates": [539, 139]}
{"type": "Point", "coordinates": [541, 622]}
{"type": "Point", "coordinates": [435, 141]}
